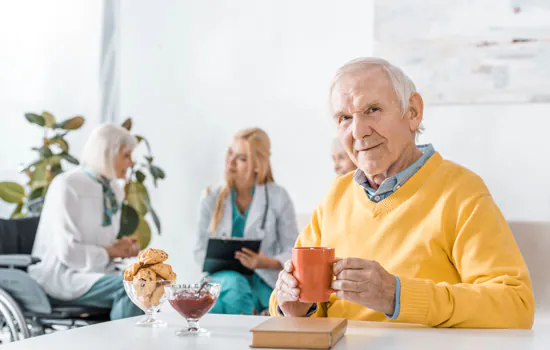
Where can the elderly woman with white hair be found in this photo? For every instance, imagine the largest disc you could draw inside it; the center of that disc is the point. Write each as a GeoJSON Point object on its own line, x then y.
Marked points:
{"type": "Point", "coordinates": [76, 238]}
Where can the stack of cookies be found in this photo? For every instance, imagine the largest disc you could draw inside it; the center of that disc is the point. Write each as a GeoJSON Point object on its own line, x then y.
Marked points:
{"type": "Point", "coordinates": [149, 275]}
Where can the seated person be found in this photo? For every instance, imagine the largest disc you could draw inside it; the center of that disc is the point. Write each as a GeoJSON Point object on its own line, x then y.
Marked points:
{"type": "Point", "coordinates": [252, 206]}
{"type": "Point", "coordinates": [421, 238]}
{"type": "Point", "coordinates": [342, 162]}
{"type": "Point", "coordinates": [76, 237]}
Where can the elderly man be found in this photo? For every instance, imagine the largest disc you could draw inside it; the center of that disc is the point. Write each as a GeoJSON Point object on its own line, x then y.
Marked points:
{"type": "Point", "coordinates": [421, 238]}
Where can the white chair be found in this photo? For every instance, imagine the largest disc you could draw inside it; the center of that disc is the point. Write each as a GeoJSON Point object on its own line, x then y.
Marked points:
{"type": "Point", "coordinates": [533, 239]}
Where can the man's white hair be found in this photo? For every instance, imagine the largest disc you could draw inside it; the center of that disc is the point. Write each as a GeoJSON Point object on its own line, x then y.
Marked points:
{"type": "Point", "coordinates": [402, 85]}
{"type": "Point", "coordinates": [105, 142]}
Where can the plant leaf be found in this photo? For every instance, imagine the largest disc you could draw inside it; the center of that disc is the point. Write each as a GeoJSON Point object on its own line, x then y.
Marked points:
{"type": "Point", "coordinates": [127, 124]}
{"type": "Point", "coordinates": [157, 173]}
{"type": "Point", "coordinates": [39, 176]}
{"type": "Point", "coordinates": [129, 220]}
{"type": "Point", "coordinates": [59, 136]}
{"type": "Point", "coordinates": [55, 169]}
{"type": "Point", "coordinates": [17, 213]}
{"type": "Point", "coordinates": [142, 234]}
{"type": "Point", "coordinates": [12, 192]}
{"type": "Point", "coordinates": [140, 176]}
{"type": "Point", "coordinates": [137, 197]}
{"type": "Point", "coordinates": [35, 119]}
{"type": "Point", "coordinates": [45, 152]}
{"type": "Point", "coordinates": [155, 217]}
{"type": "Point", "coordinates": [70, 124]}
{"type": "Point", "coordinates": [69, 158]}
{"type": "Point", "coordinates": [62, 144]}
{"type": "Point", "coordinates": [36, 193]}
{"type": "Point", "coordinates": [139, 138]}
{"type": "Point", "coordinates": [31, 165]}
{"type": "Point", "coordinates": [49, 119]}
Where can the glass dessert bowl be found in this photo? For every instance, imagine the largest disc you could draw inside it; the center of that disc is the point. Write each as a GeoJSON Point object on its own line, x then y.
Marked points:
{"type": "Point", "coordinates": [192, 302]}
{"type": "Point", "coordinates": [149, 297]}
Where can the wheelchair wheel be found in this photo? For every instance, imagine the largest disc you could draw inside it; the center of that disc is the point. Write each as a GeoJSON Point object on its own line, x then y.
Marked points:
{"type": "Point", "coordinates": [15, 326]}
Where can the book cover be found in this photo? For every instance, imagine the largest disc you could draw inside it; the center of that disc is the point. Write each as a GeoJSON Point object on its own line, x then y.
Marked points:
{"type": "Point", "coordinates": [298, 333]}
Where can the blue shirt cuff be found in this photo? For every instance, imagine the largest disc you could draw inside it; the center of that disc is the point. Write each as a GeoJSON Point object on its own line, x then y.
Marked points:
{"type": "Point", "coordinates": [397, 300]}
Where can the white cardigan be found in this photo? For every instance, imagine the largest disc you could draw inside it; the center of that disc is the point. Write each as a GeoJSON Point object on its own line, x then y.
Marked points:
{"type": "Point", "coordinates": [71, 240]}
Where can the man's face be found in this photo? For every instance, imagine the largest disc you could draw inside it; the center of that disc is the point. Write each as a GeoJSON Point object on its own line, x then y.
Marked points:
{"type": "Point", "coordinates": [371, 124]}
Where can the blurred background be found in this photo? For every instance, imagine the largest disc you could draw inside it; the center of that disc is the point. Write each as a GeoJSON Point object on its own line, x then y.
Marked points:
{"type": "Point", "coordinates": [192, 73]}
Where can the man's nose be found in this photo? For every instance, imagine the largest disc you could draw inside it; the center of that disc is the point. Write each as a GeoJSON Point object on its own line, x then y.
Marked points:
{"type": "Point", "coordinates": [361, 126]}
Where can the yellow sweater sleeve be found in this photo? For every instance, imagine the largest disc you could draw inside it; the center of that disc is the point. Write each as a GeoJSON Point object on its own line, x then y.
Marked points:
{"type": "Point", "coordinates": [310, 237]}
{"type": "Point", "coordinates": [496, 289]}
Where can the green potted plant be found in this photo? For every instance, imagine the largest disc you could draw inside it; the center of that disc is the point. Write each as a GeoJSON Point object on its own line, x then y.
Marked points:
{"type": "Point", "coordinates": [53, 149]}
{"type": "Point", "coordinates": [137, 203]}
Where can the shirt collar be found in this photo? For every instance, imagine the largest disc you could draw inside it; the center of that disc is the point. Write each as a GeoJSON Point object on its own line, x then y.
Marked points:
{"type": "Point", "coordinates": [389, 184]}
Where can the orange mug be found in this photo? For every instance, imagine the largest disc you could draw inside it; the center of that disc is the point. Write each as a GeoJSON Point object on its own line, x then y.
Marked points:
{"type": "Point", "coordinates": [313, 270]}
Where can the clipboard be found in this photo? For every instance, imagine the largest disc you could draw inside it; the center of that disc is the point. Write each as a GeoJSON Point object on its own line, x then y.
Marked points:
{"type": "Point", "coordinates": [220, 254]}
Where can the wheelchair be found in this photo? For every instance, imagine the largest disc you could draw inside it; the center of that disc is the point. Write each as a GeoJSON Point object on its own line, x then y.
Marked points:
{"type": "Point", "coordinates": [25, 309]}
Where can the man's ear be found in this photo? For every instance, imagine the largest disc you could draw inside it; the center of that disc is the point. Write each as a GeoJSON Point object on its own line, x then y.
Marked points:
{"type": "Point", "coordinates": [416, 111]}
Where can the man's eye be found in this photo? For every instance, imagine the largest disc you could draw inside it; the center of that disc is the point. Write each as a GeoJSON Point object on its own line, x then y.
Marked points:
{"type": "Point", "coordinates": [373, 109]}
{"type": "Point", "coordinates": [344, 118]}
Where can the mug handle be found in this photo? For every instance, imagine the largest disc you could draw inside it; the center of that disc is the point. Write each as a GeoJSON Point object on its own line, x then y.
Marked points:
{"type": "Point", "coordinates": [334, 261]}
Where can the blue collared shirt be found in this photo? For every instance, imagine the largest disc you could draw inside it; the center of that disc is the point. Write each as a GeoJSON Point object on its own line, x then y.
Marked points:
{"type": "Point", "coordinates": [386, 188]}
{"type": "Point", "coordinates": [392, 184]}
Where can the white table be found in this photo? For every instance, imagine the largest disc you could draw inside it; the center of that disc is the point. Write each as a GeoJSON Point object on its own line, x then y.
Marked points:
{"type": "Point", "coordinates": [232, 332]}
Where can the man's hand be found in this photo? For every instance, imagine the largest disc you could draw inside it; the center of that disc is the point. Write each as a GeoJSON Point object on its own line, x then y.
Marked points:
{"type": "Point", "coordinates": [288, 293]}
{"type": "Point", "coordinates": [123, 248]}
{"type": "Point", "coordinates": [252, 260]}
{"type": "Point", "coordinates": [366, 283]}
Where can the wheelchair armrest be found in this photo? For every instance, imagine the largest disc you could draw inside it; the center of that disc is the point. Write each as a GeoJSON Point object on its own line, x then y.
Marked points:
{"type": "Point", "coordinates": [18, 260]}
{"type": "Point", "coordinates": [25, 290]}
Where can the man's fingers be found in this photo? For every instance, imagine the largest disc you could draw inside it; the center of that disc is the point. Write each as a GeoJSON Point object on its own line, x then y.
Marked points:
{"type": "Point", "coordinates": [350, 264]}
{"type": "Point", "coordinates": [351, 296]}
{"type": "Point", "coordinates": [289, 279]}
{"type": "Point", "coordinates": [289, 267]}
{"type": "Point", "coordinates": [283, 297]}
{"type": "Point", "coordinates": [352, 275]}
{"type": "Point", "coordinates": [346, 286]}
{"type": "Point", "coordinates": [283, 287]}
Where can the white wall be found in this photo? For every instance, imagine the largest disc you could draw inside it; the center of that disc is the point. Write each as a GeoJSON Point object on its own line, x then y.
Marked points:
{"type": "Point", "coordinates": [193, 73]}
{"type": "Point", "coordinates": [49, 60]}
{"type": "Point", "coordinates": [506, 145]}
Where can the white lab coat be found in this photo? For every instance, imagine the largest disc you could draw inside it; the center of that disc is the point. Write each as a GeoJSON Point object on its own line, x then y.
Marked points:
{"type": "Point", "coordinates": [70, 239]}
{"type": "Point", "coordinates": [278, 237]}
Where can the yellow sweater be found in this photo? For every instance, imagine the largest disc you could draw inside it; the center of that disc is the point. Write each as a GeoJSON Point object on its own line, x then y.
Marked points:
{"type": "Point", "coordinates": [442, 234]}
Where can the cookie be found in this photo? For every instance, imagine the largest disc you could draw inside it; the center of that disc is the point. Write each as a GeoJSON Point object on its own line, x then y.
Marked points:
{"type": "Point", "coordinates": [152, 256]}
{"type": "Point", "coordinates": [145, 282]}
{"type": "Point", "coordinates": [131, 271]}
{"type": "Point", "coordinates": [157, 294]}
{"type": "Point", "coordinates": [165, 271]}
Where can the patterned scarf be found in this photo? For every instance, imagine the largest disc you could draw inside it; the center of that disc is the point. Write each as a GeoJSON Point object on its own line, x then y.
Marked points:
{"type": "Point", "coordinates": [110, 204]}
